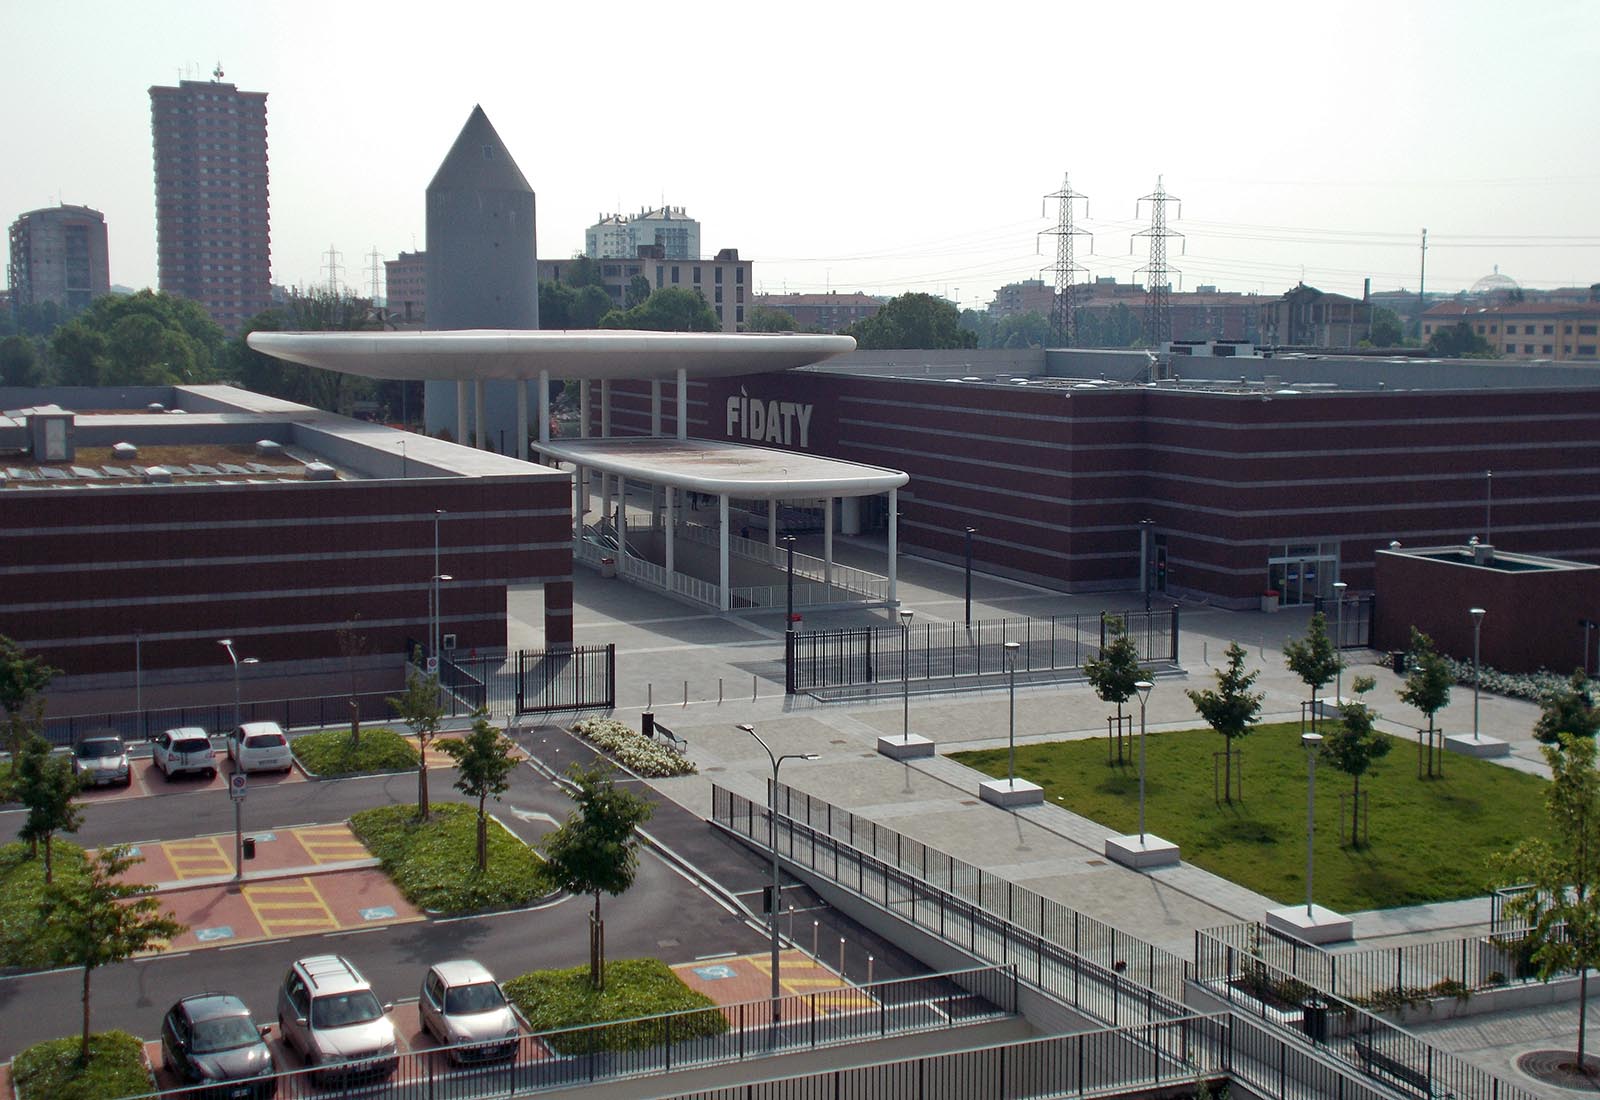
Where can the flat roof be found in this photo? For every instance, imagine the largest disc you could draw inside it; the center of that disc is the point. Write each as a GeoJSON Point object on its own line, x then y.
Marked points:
{"type": "Point", "coordinates": [708, 466]}
{"type": "Point", "coordinates": [470, 354]}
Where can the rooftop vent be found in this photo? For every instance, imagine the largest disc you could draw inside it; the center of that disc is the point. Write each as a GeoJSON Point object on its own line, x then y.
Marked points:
{"type": "Point", "coordinates": [157, 475]}
{"type": "Point", "coordinates": [126, 452]}
{"type": "Point", "coordinates": [1482, 553]}
{"type": "Point", "coordinates": [319, 471]}
{"type": "Point", "coordinates": [269, 447]}
{"type": "Point", "coordinates": [155, 407]}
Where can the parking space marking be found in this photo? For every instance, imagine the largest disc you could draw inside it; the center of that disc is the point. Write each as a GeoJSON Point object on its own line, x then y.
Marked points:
{"type": "Point", "coordinates": [289, 908]}
{"type": "Point", "coordinates": [198, 858]}
{"type": "Point", "coordinates": [331, 844]}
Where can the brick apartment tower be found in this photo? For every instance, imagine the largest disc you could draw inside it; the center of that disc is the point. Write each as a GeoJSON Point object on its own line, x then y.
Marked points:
{"type": "Point", "coordinates": [212, 234]}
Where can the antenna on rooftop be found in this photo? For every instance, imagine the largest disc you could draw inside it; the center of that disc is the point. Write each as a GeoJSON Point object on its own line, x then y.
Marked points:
{"type": "Point", "coordinates": [217, 74]}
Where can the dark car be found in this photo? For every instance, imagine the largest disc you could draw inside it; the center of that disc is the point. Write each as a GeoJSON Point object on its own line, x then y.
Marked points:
{"type": "Point", "coordinates": [211, 1038]}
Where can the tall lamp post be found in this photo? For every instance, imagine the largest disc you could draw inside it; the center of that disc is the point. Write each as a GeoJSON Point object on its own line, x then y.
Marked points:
{"type": "Point", "coordinates": [905, 679]}
{"type": "Point", "coordinates": [1338, 646]}
{"type": "Point", "coordinates": [788, 545]}
{"type": "Point", "coordinates": [1588, 625]}
{"type": "Point", "coordinates": [1143, 688]}
{"type": "Point", "coordinates": [1312, 742]}
{"type": "Point", "coordinates": [772, 842]}
{"type": "Point", "coordinates": [970, 532]}
{"type": "Point", "coordinates": [1477, 614]}
{"type": "Point", "coordinates": [1144, 559]}
{"type": "Point", "coordinates": [1011, 713]}
{"type": "Point", "coordinates": [227, 644]}
{"type": "Point", "coordinates": [433, 639]}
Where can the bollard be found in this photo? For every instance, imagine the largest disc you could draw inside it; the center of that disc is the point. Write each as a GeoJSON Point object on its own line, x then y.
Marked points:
{"type": "Point", "coordinates": [719, 691]}
{"type": "Point", "coordinates": [650, 697]}
{"type": "Point", "coordinates": [815, 925]}
{"type": "Point", "coordinates": [869, 969]}
{"type": "Point", "coordinates": [841, 956]}
{"type": "Point", "coordinates": [686, 693]}
{"type": "Point", "coordinates": [1205, 653]}
{"type": "Point", "coordinates": [753, 683]}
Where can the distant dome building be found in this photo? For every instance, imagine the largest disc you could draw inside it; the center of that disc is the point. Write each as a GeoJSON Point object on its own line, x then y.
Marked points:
{"type": "Point", "coordinates": [1494, 283]}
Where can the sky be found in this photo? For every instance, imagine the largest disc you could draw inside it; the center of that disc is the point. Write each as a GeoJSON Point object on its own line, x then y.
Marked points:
{"type": "Point", "coordinates": [874, 146]}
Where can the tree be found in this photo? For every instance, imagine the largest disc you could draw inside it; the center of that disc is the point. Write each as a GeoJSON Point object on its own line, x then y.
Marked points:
{"type": "Point", "coordinates": [913, 321]}
{"type": "Point", "coordinates": [1456, 341]}
{"type": "Point", "coordinates": [22, 678]}
{"type": "Point", "coordinates": [582, 271]}
{"type": "Point", "coordinates": [353, 644]}
{"type": "Point", "coordinates": [1232, 709]}
{"type": "Point", "coordinates": [1354, 745]}
{"type": "Point", "coordinates": [421, 708]}
{"type": "Point", "coordinates": [596, 850]}
{"type": "Point", "coordinates": [148, 338]}
{"type": "Point", "coordinates": [1570, 709]}
{"type": "Point", "coordinates": [1561, 907]}
{"type": "Point", "coordinates": [103, 919]}
{"type": "Point", "coordinates": [637, 290]}
{"type": "Point", "coordinates": [555, 305]}
{"type": "Point", "coordinates": [45, 784]}
{"type": "Point", "coordinates": [19, 362]}
{"type": "Point", "coordinates": [1115, 671]}
{"type": "Point", "coordinates": [316, 311]}
{"type": "Point", "coordinates": [767, 319]}
{"type": "Point", "coordinates": [483, 762]}
{"type": "Point", "coordinates": [589, 306]}
{"type": "Point", "coordinates": [1386, 330]}
{"type": "Point", "coordinates": [1313, 659]}
{"type": "Point", "coordinates": [1428, 683]}
{"type": "Point", "coordinates": [670, 309]}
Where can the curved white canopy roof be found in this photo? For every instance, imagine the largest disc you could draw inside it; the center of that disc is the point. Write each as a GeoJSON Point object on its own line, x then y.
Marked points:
{"type": "Point", "coordinates": [709, 466]}
{"type": "Point", "coordinates": [470, 354]}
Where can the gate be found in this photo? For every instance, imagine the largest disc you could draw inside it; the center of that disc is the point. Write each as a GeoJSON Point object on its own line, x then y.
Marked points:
{"type": "Point", "coordinates": [580, 678]}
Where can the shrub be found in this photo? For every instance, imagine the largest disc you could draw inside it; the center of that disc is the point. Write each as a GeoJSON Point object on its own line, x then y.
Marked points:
{"type": "Point", "coordinates": [434, 862]}
{"type": "Point", "coordinates": [50, 1070]}
{"type": "Point", "coordinates": [554, 999]}
{"type": "Point", "coordinates": [1533, 686]}
{"type": "Point", "coordinates": [332, 752]}
{"type": "Point", "coordinates": [633, 751]}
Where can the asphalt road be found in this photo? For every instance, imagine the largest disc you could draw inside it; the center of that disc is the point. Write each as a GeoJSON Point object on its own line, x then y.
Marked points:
{"type": "Point", "coordinates": [665, 915]}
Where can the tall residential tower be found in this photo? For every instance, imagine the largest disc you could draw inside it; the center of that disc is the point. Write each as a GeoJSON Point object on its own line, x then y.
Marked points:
{"type": "Point", "coordinates": [212, 232]}
{"type": "Point", "coordinates": [59, 255]}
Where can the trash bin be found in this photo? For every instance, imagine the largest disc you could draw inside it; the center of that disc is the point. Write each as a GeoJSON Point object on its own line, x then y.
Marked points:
{"type": "Point", "coordinates": [608, 567]}
{"type": "Point", "coordinates": [249, 847]}
{"type": "Point", "coordinates": [1397, 660]}
{"type": "Point", "coordinates": [1314, 1019]}
{"type": "Point", "coordinates": [647, 723]}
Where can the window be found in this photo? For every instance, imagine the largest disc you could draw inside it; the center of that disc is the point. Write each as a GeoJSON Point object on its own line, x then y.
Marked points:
{"type": "Point", "coordinates": [1480, 330]}
{"type": "Point", "coordinates": [674, 274]}
{"type": "Point", "coordinates": [738, 276]}
{"type": "Point", "coordinates": [738, 317]}
{"type": "Point", "coordinates": [1492, 329]}
{"type": "Point", "coordinates": [1585, 351]}
{"type": "Point", "coordinates": [740, 296]}
{"type": "Point", "coordinates": [1566, 330]}
{"type": "Point", "coordinates": [660, 270]}
{"type": "Point", "coordinates": [719, 295]}
{"type": "Point", "coordinates": [1527, 349]}
{"type": "Point", "coordinates": [697, 276]}
{"type": "Point", "coordinates": [1549, 330]}
{"type": "Point", "coordinates": [718, 281]}
{"type": "Point", "coordinates": [1549, 349]}
{"type": "Point", "coordinates": [1586, 330]}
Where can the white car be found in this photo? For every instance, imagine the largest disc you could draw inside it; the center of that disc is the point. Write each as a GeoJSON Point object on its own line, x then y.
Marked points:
{"type": "Point", "coordinates": [185, 749]}
{"type": "Point", "coordinates": [463, 1007]}
{"type": "Point", "coordinates": [259, 747]}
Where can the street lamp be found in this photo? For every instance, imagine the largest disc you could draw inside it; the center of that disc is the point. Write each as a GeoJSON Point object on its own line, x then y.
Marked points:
{"type": "Point", "coordinates": [1588, 625]}
{"type": "Point", "coordinates": [1143, 687]}
{"type": "Point", "coordinates": [970, 532]}
{"type": "Point", "coordinates": [1477, 614]}
{"type": "Point", "coordinates": [227, 644]}
{"type": "Point", "coordinates": [1312, 742]}
{"type": "Point", "coordinates": [1144, 559]}
{"type": "Point", "coordinates": [772, 842]}
{"type": "Point", "coordinates": [788, 545]}
{"type": "Point", "coordinates": [1011, 717]}
{"type": "Point", "coordinates": [905, 679]}
{"type": "Point", "coordinates": [1338, 647]}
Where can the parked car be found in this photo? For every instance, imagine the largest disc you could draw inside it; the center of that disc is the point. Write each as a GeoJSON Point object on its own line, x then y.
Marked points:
{"type": "Point", "coordinates": [463, 1007]}
{"type": "Point", "coordinates": [101, 757]}
{"type": "Point", "coordinates": [329, 1013]}
{"type": "Point", "coordinates": [185, 749]}
{"type": "Point", "coordinates": [259, 747]}
{"type": "Point", "coordinates": [212, 1038]}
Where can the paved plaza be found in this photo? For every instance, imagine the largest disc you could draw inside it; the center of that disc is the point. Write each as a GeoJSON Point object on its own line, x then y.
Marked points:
{"type": "Point", "coordinates": [704, 675]}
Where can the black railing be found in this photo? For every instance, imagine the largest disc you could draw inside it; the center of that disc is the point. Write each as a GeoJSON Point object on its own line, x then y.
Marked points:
{"type": "Point", "coordinates": [1366, 1042]}
{"type": "Point", "coordinates": [529, 681]}
{"type": "Point", "coordinates": [660, 1044]}
{"type": "Point", "coordinates": [1082, 962]}
{"type": "Point", "coordinates": [823, 660]}
{"type": "Point", "coordinates": [313, 712]}
{"type": "Point", "coordinates": [1359, 615]}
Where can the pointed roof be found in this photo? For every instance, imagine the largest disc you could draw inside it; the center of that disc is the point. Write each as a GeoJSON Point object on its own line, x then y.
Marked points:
{"type": "Point", "coordinates": [479, 161]}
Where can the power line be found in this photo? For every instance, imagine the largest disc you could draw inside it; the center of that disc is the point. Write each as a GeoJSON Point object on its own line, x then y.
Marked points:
{"type": "Point", "coordinates": [1063, 329]}
{"type": "Point", "coordinates": [1157, 299]}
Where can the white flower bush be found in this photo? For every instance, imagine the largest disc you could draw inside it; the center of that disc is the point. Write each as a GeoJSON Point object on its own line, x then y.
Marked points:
{"type": "Point", "coordinates": [634, 751]}
{"type": "Point", "coordinates": [1533, 686]}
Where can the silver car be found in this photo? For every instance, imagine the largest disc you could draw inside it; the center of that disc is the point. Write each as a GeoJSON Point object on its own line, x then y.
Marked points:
{"type": "Point", "coordinates": [463, 1007]}
{"type": "Point", "coordinates": [101, 757]}
{"type": "Point", "coordinates": [328, 1012]}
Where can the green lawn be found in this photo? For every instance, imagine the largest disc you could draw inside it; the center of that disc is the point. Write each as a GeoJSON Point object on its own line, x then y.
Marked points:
{"type": "Point", "coordinates": [1428, 840]}
{"type": "Point", "coordinates": [50, 1070]}
{"type": "Point", "coordinates": [331, 752]}
{"type": "Point", "coordinates": [27, 940]}
{"type": "Point", "coordinates": [553, 999]}
{"type": "Point", "coordinates": [435, 864]}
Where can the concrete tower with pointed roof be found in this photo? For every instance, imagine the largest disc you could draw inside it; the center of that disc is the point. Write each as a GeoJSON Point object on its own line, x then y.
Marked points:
{"type": "Point", "coordinates": [482, 265]}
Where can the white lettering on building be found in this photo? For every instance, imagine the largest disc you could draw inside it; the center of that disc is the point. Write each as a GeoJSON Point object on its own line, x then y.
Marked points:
{"type": "Point", "coordinates": [786, 423]}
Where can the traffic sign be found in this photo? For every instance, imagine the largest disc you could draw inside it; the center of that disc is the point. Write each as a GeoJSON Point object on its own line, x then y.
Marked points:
{"type": "Point", "coordinates": [236, 786]}
{"type": "Point", "coordinates": [433, 666]}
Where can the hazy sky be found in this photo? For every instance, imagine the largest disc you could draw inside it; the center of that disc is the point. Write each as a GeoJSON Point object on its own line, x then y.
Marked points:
{"type": "Point", "coordinates": [868, 145]}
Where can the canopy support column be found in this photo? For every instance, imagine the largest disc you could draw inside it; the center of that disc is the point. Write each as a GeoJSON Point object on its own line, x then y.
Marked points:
{"type": "Point", "coordinates": [655, 406]}
{"type": "Point", "coordinates": [605, 431]}
{"type": "Point", "coordinates": [480, 431]}
{"type": "Point", "coordinates": [772, 524]}
{"type": "Point", "coordinates": [461, 412]}
{"type": "Point", "coordinates": [622, 519]}
{"type": "Point", "coordinates": [683, 403]}
{"type": "Point", "coordinates": [583, 433]}
{"type": "Point", "coordinates": [522, 419]}
{"type": "Point", "coordinates": [894, 549]}
{"type": "Point", "coordinates": [827, 546]}
{"type": "Point", "coordinates": [722, 548]}
{"type": "Point", "coordinates": [671, 522]}
{"type": "Point", "coordinates": [544, 408]}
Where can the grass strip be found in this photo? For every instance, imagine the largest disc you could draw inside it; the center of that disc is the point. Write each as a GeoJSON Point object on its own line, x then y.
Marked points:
{"type": "Point", "coordinates": [50, 1070]}
{"type": "Point", "coordinates": [634, 988]}
{"type": "Point", "coordinates": [331, 752]}
{"type": "Point", "coordinates": [435, 863]}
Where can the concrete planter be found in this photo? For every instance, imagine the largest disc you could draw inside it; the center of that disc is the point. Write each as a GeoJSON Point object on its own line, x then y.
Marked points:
{"type": "Point", "coordinates": [1269, 601]}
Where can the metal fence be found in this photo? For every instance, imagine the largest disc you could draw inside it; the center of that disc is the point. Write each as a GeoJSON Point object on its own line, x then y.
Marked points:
{"type": "Point", "coordinates": [1378, 1049]}
{"type": "Point", "coordinates": [529, 681]}
{"type": "Point", "coordinates": [1359, 616]}
{"type": "Point", "coordinates": [1380, 976]}
{"type": "Point", "coordinates": [1091, 966]}
{"type": "Point", "coordinates": [313, 712]}
{"type": "Point", "coordinates": [672, 1041]}
{"type": "Point", "coordinates": [831, 659]}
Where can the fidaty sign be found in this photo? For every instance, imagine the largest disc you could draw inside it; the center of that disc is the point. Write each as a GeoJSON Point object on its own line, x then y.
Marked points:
{"type": "Point", "coordinates": [787, 423]}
